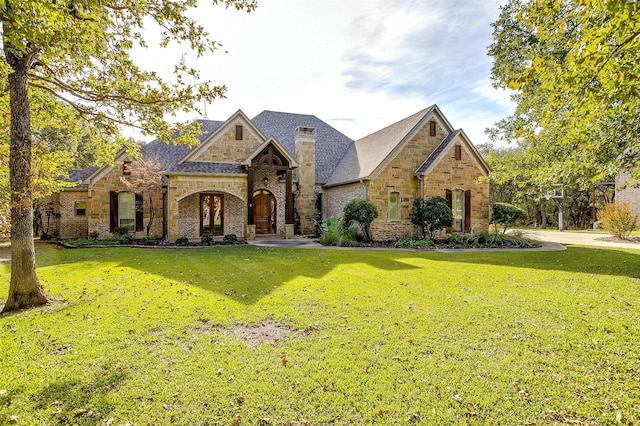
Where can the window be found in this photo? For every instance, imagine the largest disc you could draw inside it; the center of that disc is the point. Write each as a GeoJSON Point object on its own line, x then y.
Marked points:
{"type": "Point", "coordinates": [80, 207]}
{"type": "Point", "coordinates": [458, 152]}
{"type": "Point", "coordinates": [127, 211]}
{"type": "Point", "coordinates": [394, 206]}
{"type": "Point", "coordinates": [126, 168]}
{"type": "Point", "coordinates": [238, 133]}
{"type": "Point", "coordinates": [432, 128]}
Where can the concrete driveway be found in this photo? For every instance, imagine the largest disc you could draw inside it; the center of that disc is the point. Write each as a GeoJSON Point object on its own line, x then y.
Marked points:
{"type": "Point", "coordinates": [578, 238]}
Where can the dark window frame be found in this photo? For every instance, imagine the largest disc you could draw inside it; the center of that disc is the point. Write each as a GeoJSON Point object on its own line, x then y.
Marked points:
{"type": "Point", "coordinates": [432, 128]}
{"type": "Point", "coordinates": [458, 152]}
{"type": "Point", "coordinates": [212, 196]}
{"type": "Point", "coordinates": [239, 132]}
{"type": "Point", "coordinates": [80, 211]}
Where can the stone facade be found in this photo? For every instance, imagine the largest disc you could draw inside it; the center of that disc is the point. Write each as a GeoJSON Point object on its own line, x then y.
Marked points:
{"type": "Point", "coordinates": [99, 204]}
{"type": "Point", "coordinates": [183, 203]}
{"type": "Point", "coordinates": [73, 225]}
{"type": "Point", "coordinates": [628, 191]}
{"type": "Point", "coordinates": [229, 149]}
{"type": "Point", "coordinates": [305, 145]}
{"type": "Point", "coordinates": [336, 197]}
{"type": "Point", "coordinates": [399, 176]}
{"type": "Point", "coordinates": [464, 174]}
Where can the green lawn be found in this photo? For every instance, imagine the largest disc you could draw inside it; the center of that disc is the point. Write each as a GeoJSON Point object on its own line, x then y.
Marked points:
{"type": "Point", "coordinates": [163, 336]}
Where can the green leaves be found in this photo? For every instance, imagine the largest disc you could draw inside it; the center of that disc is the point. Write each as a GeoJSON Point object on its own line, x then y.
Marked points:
{"type": "Point", "coordinates": [82, 53]}
{"type": "Point", "coordinates": [574, 67]}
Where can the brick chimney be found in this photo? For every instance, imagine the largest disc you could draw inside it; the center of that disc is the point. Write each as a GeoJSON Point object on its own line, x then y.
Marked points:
{"type": "Point", "coordinates": [305, 146]}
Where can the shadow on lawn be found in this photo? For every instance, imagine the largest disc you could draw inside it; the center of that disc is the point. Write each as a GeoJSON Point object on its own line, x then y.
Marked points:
{"type": "Point", "coordinates": [81, 401]}
{"type": "Point", "coordinates": [246, 273]}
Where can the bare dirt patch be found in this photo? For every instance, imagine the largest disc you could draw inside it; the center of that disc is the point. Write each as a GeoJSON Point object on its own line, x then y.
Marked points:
{"type": "Point", "coordinates": [267, 331]}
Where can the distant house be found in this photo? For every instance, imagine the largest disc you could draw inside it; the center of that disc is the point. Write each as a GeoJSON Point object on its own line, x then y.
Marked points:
{"type": "Point", "coordinates": [628, 191]}
{"type": "Point", "coordinates": [280, 173]}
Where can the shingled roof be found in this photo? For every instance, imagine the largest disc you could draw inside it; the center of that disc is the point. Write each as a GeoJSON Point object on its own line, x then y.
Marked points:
{"type": "Point", "coordinates": [331, 145]}
{"type": "Point", "coordinates": [368, 153]}
{"type": "Point", "coordinates": [78, 175]}
{"type": "Point", "coordinates": [168, 154]}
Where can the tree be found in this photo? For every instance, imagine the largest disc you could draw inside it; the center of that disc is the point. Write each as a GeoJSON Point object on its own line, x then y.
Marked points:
{"type": "Point", "coordinates": [506, 215]}
{"type": "Point", "coordinates": [573, 67]}
{"type": "Point", "coordinates": [361, 212]}
{"type": "Point", "coordinates": [80, 52]}
{"type": "Point", "coordinates": [145, 178]}
{"type": "Point", "coordinates": [431, 215]}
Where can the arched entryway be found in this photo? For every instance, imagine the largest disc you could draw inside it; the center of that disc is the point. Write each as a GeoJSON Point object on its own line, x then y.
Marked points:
{"type": "Point", "coordinates": [264, 205]}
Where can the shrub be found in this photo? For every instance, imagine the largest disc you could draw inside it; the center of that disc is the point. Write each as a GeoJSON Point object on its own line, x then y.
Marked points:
{"type": "Point", "coordinates": [94, 235]}
{"type": "Point", "coordinates": [409, 241]}
{"type": "Point", "coordinates": [182, 241]}
{"type": "Point", "coordinates": [361, 212]}
{"type": "Point", "coordinates": [431, 215]}
{"type": "Point", "coordinates": [149, 241]}
{"type": "Point", "coordinates": [207, 240]}
{"type": "Point", "coordinates": [120, 230]}
{"type": "Point", "coordinates": [618, 220]}
{"type": "Point", "coordinates": [506, 215]}
{"type": "Point", "coordinates": [124, 239]}
{"type": "Point", "coordinates": [230, 239]}
{"type": "Point", "coordinates": [334, 233]}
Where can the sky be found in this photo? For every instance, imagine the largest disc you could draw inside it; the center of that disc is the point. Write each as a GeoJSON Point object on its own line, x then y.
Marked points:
{"type": "Point", "coordinates": [358, 65]}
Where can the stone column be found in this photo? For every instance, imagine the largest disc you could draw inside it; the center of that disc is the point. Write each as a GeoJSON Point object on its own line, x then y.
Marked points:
{"type": "Point", "coordinates": [305, 146]}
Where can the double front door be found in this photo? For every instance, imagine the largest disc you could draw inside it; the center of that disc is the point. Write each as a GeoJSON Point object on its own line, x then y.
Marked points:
{"type": "Point", "coordinates": [211, 217]}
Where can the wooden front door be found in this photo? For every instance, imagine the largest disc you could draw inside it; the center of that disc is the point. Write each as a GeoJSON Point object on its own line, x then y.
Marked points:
{"type": "Point", "coordinates": [265, 212]}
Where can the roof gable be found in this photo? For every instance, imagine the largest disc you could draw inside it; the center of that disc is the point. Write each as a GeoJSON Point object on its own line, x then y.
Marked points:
{"type": "Point", "coordinates": [271, 141]}
{"type": "Point", "coordinates": [331, 145]}
{"type": "Point", "coordinates": [217, 145]}
{"type": "Point", "coordinates": [439, 153]}
{"type": "Point", "coordinates": [369, 155]}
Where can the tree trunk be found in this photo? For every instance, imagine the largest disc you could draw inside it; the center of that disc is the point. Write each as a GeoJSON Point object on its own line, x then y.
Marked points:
{"type": "Point", "coordinates": [24, 289]}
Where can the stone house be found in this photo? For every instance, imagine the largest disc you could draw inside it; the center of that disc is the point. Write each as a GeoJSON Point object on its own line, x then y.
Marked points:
{"type": "Point", "coordinates": [280, 174]}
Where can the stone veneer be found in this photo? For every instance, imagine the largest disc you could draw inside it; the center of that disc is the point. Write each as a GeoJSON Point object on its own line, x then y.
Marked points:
{"type": "Point", "coordinates": [305, 146]}
{"type": "Point", "coordinates": [464, 174]}
{"type": "Point", "coordinates": [99, 202]}
{"type": "Point", "coordinates": [183, 203]}
{"type": "Point", "coordinates": [72, 226]}
{"type": "Point", "coordinates": [336, 197]}
{"type": "Point", "coordinates": [227, 149]}
{"type": "Point", "coordinates": [399, 176]}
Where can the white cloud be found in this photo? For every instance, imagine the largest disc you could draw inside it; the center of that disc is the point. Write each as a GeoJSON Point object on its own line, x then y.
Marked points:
{"type": "Point", "coordinates": [357, 64]}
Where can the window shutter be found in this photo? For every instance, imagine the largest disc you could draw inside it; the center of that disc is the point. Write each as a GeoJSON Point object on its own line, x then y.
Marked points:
{"type": "Point", "coordinates": [113, 211]}
{"type": "Point", "coordinates": [449, 196]}
{"type": "Point", "coordinates": [467, 211]}
{"type": "Point", "coordinates": [139, 213]}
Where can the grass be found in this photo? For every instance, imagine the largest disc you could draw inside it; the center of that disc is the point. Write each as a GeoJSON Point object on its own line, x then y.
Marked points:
{"type": "Point", "coordinates": [153, 336]}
